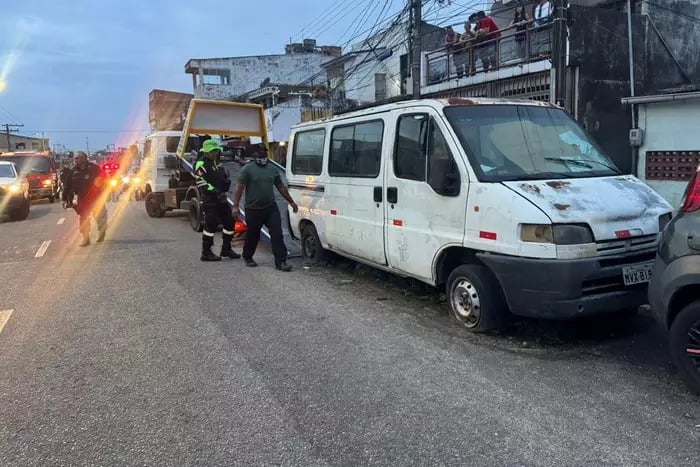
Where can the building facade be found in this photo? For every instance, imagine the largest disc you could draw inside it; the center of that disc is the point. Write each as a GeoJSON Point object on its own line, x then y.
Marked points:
{"type": "Point", "coordinates": [13, 142]}
{"type": "Point", "coordinates": [228, 78]}
{"type": "Point", "coordinates": [669, 154]}
{"type": "Point", "coordinates": [376, 68]}
{"type": "Point", "coordinates": [584, 65]}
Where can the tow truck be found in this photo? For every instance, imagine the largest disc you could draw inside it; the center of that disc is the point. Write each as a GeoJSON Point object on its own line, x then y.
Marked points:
{"type": "Point", "coordinates": [169, 156]}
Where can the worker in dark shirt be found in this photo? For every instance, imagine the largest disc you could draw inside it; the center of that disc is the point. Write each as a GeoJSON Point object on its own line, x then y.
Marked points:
{"type": "Point", "coordinates": [88, 182]}
{"type": "Point", "coordinates": [258, 179]}
{"type": "Point", "coordinates": [214, 182]}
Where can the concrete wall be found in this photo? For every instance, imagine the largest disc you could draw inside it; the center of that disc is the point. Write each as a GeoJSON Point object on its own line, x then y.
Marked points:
{"type": "Point", "coordinates": [669, 126]}
{"type": "Point", "coordinates": [599, 49]}
{"type": "Point", "coordinates": [682, 36]}
{"type": "Point", "coordinates": [249, 73]}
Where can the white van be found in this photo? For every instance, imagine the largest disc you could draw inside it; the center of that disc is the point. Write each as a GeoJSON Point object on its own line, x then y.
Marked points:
{"type": "Point", "coordinates": [508, 204]}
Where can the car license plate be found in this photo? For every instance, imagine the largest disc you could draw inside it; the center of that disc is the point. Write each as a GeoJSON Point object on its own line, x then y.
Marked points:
{"type": "Point", "coordinates": [638, 274]}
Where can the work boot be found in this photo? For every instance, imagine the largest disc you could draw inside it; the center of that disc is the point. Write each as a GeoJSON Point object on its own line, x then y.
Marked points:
{"type": "Point", "coordinates": [101, 237]}
{"type": "Point", "coordinates": [207, 255]}
{"type": "Point", "coordinates": [284, 267]}
{"type": "Point", "coordinates": [86, 240]}
{"type": "Point", "coordinates": [226, 250]}
{"type": "Point", "coordinates": [250, 262]}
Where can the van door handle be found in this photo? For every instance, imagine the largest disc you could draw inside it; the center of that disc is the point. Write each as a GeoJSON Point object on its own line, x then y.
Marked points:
{"type": "Point", "coordinates": [392, 194]}
{"type": "Point", "coordinates": [377, 194]}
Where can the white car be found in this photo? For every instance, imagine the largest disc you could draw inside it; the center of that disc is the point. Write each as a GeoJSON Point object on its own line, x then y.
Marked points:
{"type": "Point", "coordinates": [14, 192]}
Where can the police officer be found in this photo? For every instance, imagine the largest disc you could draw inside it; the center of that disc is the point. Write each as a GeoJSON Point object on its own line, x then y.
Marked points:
{"type": "Point", "coordinates": [214, 181]}
{"type": "Point", "coordinates": [88, 182]}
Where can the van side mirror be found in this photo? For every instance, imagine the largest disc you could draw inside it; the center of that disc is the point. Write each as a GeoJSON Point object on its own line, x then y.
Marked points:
{"type": "Point", "coordinates": [443, 177]}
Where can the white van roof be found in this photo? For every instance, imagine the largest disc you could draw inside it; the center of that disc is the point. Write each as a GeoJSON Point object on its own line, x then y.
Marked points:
{"type": "Point", "coordinates": [436, 103]}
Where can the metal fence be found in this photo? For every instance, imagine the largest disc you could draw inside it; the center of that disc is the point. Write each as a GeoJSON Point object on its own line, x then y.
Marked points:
{"type": "Point", "coordinates": [471, 57]}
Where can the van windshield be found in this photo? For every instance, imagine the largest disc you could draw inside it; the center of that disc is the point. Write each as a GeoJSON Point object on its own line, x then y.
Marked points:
{"type": "Point", "coordinates": [522, 142]}
{"type": "Point", "coordinates": [28, 164]}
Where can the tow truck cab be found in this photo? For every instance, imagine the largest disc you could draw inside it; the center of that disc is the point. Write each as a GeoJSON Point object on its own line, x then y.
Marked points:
{"type": "Point", "coordinates": [169, 156]}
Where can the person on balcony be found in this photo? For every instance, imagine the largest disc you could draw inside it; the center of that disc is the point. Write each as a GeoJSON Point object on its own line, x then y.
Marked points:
{"type": "Point", "coordinates": [487, 31]}
{"type": "Point", "coordinates": [543, 14]}
{"type": "Point", "coordinates": [521, 20]}
{"type": "Point", "coordinates": [461, 49]}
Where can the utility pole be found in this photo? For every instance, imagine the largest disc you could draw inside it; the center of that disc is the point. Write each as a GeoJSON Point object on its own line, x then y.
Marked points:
{"type": "Point", "coordinates": [416, 22]}
{"type": "Point", "coordinates": [11, 128]}
{"type": "Point", "coordinates": [87, 145]}
{"type": "Point", "coordinates": [559, 38]}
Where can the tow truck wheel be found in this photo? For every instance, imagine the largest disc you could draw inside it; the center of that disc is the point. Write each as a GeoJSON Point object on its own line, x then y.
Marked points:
{"type": "Point", "coordinates": [52, 198]}
{"type": "Point", "coordinates": [195, 216]}
{"type": "Point", "coordinates": [476, 299]}
{"type": "Point", "coordinates": [153, 206]}
{"type": "Point", "coordinates": [311, 249]}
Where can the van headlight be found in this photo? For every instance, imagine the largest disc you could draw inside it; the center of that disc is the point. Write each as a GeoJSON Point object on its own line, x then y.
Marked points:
{"type": "Point", "coordinates": [15, 188]}
{"type": "Point", "coordinates": [572, 241]}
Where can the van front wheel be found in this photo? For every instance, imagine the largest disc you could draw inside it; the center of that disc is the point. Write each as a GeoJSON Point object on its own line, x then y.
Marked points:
{"type": "Point", "coordinates": [475, 298]}
{"type": "Point", "coordinates": [311, 249]}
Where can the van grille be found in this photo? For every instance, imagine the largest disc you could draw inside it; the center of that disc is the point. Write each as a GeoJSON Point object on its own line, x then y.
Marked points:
{"type": "Point", "coordinates": [624, 245]}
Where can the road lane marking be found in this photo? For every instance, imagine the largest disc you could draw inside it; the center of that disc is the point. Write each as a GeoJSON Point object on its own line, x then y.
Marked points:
{"type": "Point", "coordinates": [4, 318]}
{"type": "Point", "coordinates": [42, 249]}
{"type": "Point", "coordinates": [61, 220]}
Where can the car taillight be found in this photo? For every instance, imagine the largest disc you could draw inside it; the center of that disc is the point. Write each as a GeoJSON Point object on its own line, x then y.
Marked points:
{"type": "Point", "coordinates": [691, 197]}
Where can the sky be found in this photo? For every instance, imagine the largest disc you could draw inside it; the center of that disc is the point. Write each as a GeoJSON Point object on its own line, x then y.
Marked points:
{"type": "Point", "coordinates": [80, 70]}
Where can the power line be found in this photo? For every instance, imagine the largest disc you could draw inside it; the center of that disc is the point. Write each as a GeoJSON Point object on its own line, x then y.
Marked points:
{"type": "Point", "coordinates": [680, 14]}
{"type": "Point", "coordinates": [326, 13]}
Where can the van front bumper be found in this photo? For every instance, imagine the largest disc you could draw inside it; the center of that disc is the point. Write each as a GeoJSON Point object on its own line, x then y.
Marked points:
{"type": "Point", "coordinates": [568, 289]}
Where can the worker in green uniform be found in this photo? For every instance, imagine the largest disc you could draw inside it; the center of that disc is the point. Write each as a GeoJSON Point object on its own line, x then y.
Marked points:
{"type": "Point", "coordinates": [214, 182]}
{"type": "Point", "coordinates": [257, 179]}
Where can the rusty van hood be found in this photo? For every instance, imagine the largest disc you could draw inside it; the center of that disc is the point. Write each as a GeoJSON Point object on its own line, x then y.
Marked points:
{"type": "Point", "coordinates": [607, 204]}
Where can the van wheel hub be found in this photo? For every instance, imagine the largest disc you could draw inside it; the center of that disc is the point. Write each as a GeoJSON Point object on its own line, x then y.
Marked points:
{"type": "Point", "coordinates": [466, 302]}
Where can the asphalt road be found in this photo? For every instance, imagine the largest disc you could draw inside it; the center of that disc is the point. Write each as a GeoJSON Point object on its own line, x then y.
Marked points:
{"type": "Point", "coordinates": [134, 352]}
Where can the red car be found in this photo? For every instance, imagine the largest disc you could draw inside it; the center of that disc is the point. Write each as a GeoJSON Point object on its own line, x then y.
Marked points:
{"type": "Point", "coordinates": [39, 169]}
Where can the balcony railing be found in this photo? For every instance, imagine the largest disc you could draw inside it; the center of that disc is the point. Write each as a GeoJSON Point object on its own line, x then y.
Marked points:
{"type": "Point", "coordinates": [471, 57]}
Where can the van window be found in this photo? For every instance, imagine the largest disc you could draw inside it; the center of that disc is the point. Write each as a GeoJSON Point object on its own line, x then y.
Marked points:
{"type": "Point", "coordinates": [410, 154]}
{"type": "Point", "coordinates": [422, 154]}
{"type": "Point", "coordinates": [307, 158]}
{"type": "Point", "coordinates": [356, 150]}
{"type": "Point", "coordinates": [443, 173]}
{"type": "Point", "coordinates": [147, 148]}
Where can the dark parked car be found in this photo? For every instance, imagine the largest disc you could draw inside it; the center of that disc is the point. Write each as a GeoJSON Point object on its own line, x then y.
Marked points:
{"type": "Point", "coordinates": [674, 291]}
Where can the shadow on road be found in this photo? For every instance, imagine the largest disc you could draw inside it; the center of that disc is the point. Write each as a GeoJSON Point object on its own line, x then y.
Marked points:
{"type": "Point", "coordinates": [633, 339]}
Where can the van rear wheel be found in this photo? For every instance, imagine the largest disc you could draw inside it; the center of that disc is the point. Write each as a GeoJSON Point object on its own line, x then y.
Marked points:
{"type": "Point", "coordinates": [311, 249]}
{"type": "Point", "coordinates": [475, 298]}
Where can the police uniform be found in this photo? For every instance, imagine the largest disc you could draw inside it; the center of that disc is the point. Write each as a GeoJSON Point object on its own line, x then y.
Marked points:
{"type": "Point", "coordinates": [214, 182]}
{"type": "Point", "coordinates": [88, 184]}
